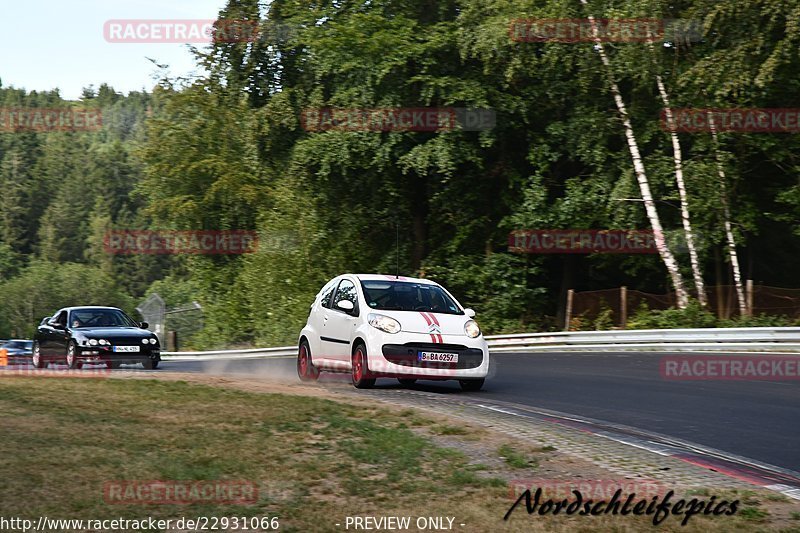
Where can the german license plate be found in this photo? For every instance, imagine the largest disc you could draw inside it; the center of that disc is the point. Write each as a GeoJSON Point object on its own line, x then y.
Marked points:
{"type": "Point", "coordinates": [126, 348]}
{"type": "Point", "coordinates": [438, 357]}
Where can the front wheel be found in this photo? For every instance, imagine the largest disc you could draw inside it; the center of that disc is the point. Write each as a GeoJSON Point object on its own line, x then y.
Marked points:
{"type": "Point", "coordinates": [150, 363]}
{"type": "Point", "coordinates": [36, 357]}
{"type": "Point", "coordinates": [306, 370]}
{"type": "Point", "coordinates": [471, 385]}
{"type": "Point", "coordinates": [360, 369]}
{"type": "Point", "coordinates": [72, 356]}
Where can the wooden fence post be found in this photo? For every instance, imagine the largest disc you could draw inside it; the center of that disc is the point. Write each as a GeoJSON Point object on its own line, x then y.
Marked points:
{"type": "Point", "coordinates": [749, 297]}
{"type": "Point", "coordinates": [568, 314]}
{"type": "Point", "coordinates": [623, 306]}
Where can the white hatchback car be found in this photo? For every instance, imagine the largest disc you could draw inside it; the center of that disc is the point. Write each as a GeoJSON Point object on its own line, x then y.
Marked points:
{"type": "Point", "coordinates": [391, 326]}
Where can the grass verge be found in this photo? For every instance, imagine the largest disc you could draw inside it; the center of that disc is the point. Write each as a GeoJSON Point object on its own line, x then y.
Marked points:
{"type": "Point", "coordinates": [315, 461]}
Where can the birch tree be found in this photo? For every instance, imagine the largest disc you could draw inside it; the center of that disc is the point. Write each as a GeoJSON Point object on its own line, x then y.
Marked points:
{"type": "Point", "coordinates": [664, 251]}
{"type": "Point", "coordinates": [726, 219]}
{"type": "Point", "coordinates": [677, 156]}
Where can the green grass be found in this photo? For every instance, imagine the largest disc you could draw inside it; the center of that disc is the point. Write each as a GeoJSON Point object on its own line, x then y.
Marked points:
{"type": "Point", "coordinates": [753, 513]}
{"type": "Point", "coordinates": [314, 461]}
{"type": "Point", "coordinates": [515, 459]}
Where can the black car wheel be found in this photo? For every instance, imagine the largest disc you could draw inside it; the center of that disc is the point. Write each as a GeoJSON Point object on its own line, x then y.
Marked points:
{"type": "Point", "coordinates": [150, 363]}
{"type": "Point", "coordinates": [406, 382]}
{"type": "Point", "coordinates": [72, 355]}
{"type": "Point", "coordinates": [112, 364]}
{"type": "Point", "coordinates": [471, 385]}
{"type": "Point", "coordinates": [36, 356]}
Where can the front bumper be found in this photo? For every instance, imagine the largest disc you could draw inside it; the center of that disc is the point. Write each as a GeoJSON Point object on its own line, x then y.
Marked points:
{"type": "Point", "coordinates": [399, 357]}
{"type": "Point", "coordinates": [102, 354]}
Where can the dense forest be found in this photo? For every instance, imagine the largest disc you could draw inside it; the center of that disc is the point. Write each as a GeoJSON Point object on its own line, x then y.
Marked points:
{"type": "Point", "coordinates": [227, 150]}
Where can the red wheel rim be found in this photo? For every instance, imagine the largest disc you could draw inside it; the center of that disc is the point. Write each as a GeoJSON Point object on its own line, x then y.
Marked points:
{"type": "Point", "coordinates": [358, 366]}
{"type": "Point", "coordinates": [303, 361]}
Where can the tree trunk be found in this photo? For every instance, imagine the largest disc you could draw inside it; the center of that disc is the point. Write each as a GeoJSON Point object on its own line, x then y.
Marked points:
{"type": "Point", "coordinates": [685, 219]}
{"type": "Point", "coordinates": [420, 224]}
{"type": "Point", "coordinates": [641, 176]}
{"type": "Point", "coordinates": [726, 215]}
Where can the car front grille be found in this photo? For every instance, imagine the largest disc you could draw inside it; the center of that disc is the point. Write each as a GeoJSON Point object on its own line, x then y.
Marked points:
{"type": "Point", "coordinates": [406, 355]}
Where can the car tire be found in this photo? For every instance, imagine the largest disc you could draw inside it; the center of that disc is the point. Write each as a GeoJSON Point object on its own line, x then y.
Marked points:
{"type": "Point", "coordinates": [306, 370]}
{"type": "Point", "coordinates": [360, 369]}
{"type": "Point", "coordinates": [471, 385]}
{"type": "Point", "coordinates": [407, 382]}
{"type": "Point", "coordinates": [111, 365]}
{"type": "Point", "coordinates": [72, 356]}
{"type": "Point", "coordinates": [150, 363]}
{"type": "Point", "coordinates": [36, 356]}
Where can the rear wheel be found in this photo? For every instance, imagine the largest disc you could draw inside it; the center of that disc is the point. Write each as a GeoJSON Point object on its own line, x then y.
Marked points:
{"type": "Point", "coordinates": [72, 355]}
{"type": "Point", "coordinates": [471, 385]}
{"type": "Point", "coordinates": [306, 370]}
{"type": "Point", "coordinates": [407, 382]}
{"type": "Point", "coordinates": [36, 357]}
{"type": "Point", "coordinates": [360, 369]}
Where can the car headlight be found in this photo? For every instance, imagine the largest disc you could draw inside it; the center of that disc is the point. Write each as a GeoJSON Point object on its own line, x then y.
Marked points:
{"type": "Point", "coordinates": [472, 329]}
{"type": "Point", "coordinates": [145, 341]}
{"type": "Point", "coordinates": [103, 342]}
{"type": "Point", "coordinates": [383, 323]}
{"type": "Point", "coordinates": [153, 341]}
{"type": "Point", "coordinates": [93, 342]}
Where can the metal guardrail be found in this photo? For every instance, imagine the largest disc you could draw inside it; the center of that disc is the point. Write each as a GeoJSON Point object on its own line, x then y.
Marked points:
{"type": "Point", "coordinates": [786, 339]}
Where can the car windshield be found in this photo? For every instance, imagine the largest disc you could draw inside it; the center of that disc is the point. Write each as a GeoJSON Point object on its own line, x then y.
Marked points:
{"type": "Point", "coordinates": [408, 296]}
{"type": "Point", "coordinates": [100, 318]}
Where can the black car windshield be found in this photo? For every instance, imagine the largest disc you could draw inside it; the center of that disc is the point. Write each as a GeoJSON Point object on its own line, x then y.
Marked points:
{"type": "Point", "coordinates": [392, 295]}
{"type": "Point", "coordinates": [100, 318]}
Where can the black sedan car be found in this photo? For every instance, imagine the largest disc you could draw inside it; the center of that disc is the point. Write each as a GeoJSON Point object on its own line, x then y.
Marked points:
{"type": "Point", "coordinates": [97, 335]}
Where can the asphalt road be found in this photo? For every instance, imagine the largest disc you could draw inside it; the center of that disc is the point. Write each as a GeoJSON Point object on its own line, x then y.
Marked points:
{"type": "Point", "coordinates": [755, 419]}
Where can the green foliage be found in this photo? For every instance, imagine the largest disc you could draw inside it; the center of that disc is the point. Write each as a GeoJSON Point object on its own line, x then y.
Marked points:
{"type": "Point", "coordinates": [44, 287]}
{"type": "Point", "coordinates": [693, 316]}
{"type": "Point", "coordinates": [227, 150]}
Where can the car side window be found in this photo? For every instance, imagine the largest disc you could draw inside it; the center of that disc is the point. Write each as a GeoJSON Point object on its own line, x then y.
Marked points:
{"type": "Point", "coordinates": [346, 291]}
{"type": "Point", "coordinates": [326, 296]}
{"type": "Point", "coordinates": [61, 319]}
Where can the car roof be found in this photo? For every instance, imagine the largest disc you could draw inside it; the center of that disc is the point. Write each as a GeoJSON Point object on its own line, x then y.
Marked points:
{"type": "Point", "coordinates": [392, 277]}
{"type": "Point", "coordinates": [88, 307]}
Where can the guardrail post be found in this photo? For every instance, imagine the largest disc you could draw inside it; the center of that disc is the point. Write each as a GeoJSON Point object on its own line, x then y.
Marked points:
{"type": "Point", "coordinates": [568, 313]}
{"type": "Point", "coordinates": [623, 306]}
{"type": "Point", "coordinates": [749, 297]}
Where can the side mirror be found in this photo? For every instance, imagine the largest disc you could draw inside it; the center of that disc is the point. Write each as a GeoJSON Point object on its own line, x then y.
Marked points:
{"type": "Point", "coordinates": [469, 312]}
{"type": "Point", "coordinates": [144, 325]}
{"type": "Point", "coordinates": [345, 305]}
